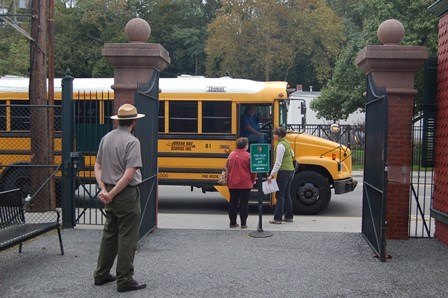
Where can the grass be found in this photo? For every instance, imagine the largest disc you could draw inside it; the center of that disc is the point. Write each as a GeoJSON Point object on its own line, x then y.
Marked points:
{"type": "Point", "coordinates": [357, 167]}
{"type": "Point", "coordinates": [360, 167]}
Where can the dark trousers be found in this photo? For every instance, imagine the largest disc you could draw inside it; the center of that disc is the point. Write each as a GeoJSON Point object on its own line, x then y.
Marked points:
{"type": "Point", "coordinates": [283, 195]}
{"type": "Point", "coordinates": [241, 197]}
{"type": "Point", "coordinates": [120, 236]}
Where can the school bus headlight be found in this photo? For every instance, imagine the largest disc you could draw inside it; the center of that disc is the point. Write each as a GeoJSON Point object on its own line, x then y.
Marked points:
{"type": "Point", "coordinates": [335, 128]}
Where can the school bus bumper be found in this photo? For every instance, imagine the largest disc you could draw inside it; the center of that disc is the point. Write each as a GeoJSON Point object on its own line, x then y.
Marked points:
{"type": "Point", "coordinates": [344, 185]}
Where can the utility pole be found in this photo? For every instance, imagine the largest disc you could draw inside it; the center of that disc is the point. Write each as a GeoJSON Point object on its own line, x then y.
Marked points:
{"type": "Point", "coordinates": [51, 110]}
{"type": "Point", "coordinates": [39, 118]}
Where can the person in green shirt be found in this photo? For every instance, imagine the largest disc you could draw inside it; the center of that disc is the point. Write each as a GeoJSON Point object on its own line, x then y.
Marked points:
{"type": "Point", "coordinates": [283, 169]}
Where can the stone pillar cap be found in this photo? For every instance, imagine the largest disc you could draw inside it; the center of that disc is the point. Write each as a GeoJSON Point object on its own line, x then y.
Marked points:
{"type": "Point", "coordinates": [390, 32]}
{"type": "Point", "coordinates": [137, 30]}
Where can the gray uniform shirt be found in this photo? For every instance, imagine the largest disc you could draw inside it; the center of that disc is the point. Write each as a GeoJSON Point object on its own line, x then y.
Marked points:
{"type": "Point", "coordinates": [118, 151]}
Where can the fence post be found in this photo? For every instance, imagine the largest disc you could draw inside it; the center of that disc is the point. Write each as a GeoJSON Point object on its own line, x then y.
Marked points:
{"type": "Point", "coordinates": [68, 205]}
{"type": "Point", "coordinates": [349, 136]}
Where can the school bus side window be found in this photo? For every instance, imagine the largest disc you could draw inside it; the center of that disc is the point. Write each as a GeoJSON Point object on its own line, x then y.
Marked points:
{"type": "Point", "coordinates": [20, 116]}
{"type": "Point", "coordinates": [161, 116]}
{"type": "Point", "coordinates": [2, 115]}
{"type": "Point", "coordinates": [87, 111]}
{"type": "Point", "coordinates": [216, 117]}
{"type": "Point", "coordinates": [58, 115]}
{"type": "Point", "coordinates": [183, 116]}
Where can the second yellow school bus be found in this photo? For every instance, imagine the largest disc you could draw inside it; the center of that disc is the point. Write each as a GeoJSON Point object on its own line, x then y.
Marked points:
{"type": "Point", "coordinates": [199, 122]}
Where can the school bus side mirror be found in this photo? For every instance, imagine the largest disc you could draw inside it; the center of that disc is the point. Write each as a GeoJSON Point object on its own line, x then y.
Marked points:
{"type": "Point", "coordinates": [303, 108]}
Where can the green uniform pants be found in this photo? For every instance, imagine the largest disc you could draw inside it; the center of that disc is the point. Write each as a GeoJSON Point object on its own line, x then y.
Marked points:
{"type": "Point", "coordinates": [120, 236]}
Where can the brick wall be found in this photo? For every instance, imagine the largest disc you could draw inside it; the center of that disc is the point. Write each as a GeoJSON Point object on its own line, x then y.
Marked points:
{"type": "Point", "coordinates": [399, 157]}
{"type": "Point", "coordinates": [440, 201]}
{"type": "Point", "coordinates": [442, 232]}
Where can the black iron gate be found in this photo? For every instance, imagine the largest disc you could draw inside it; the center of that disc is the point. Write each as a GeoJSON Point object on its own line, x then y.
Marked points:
{"type": "Point", "coordinates": [375, 169]}
{"type": "Point", "coordinates": [86, 119]}
{"type": "Point", "coordinates": [147, 102]}
{"type": "Point", "coordinates": [423, 155]}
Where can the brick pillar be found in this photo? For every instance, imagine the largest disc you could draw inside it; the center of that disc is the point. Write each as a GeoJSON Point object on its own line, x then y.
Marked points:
{"type": "Point", "coordinates": [134, 62]}
{"type": "Point", "coordinates": [440, 198]}
{"type": "Point", "coordinates": [393, 66]}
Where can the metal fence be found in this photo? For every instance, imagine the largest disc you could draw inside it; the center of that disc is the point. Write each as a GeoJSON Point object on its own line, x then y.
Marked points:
{"type": "Point", "coordinates": [422, 173]}
{"type": "Point", "coordinates": [352, 136]}
{"type": "Point", "coordinates": [422, 182]}
{"type": "Point", "coordinates": [90, 123]}
{"type": "Point", "coordinates": [30, 150]}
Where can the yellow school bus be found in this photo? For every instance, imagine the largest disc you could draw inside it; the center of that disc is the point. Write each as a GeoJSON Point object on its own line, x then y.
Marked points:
{"type": "Point", "coordinates": [199, 121]}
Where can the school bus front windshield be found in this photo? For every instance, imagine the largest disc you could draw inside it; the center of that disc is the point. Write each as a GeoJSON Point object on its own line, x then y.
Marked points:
{"type": "Point", "coordinates": [283, 114]}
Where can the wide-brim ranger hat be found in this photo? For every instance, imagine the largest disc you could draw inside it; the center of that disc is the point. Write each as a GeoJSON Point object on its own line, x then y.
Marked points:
{"type": "Point", "coordinates": [127, 112]}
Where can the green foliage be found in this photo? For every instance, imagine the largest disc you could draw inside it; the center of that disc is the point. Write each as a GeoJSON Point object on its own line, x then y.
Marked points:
{"type": "Point", "coordinates": [311, 42]}
{"type": "Point", "coordinates": [267, 40]}
{"type": "Point", "coordinates": [18, 62]}
{"type": "Point", "coordinates": [82, 31]}
{"type": "Point", "coordinates": [181, 27]}
{"type": "Point", "coordinates": [102, 69]}
{"type": "Point", "coordinates": [345, 88]}
{"type": "Point", "coordinates": [14, 51]}
{"type": "Point", "coordinates": [336, 103]}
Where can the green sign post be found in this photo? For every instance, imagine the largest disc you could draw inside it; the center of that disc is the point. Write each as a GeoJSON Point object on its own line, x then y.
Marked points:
{"type": "Point", "coordinates": [259, 158]}
{"type": "Point", "coordinates": [259, 163]}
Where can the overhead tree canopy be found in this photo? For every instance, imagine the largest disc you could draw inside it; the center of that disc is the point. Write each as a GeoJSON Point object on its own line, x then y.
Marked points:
{"type": "Point", "coordinates": [267, 40]}
{"type": "Point", "coordinates": [343, 94]}
{"type": "Point", "coordinates": [309, 42]}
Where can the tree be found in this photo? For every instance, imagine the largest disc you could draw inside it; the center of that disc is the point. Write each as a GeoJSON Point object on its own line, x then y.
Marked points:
{"type": "Point", "coordinates": [180, 27]}
{"type": "Point", "coordinates": [84, 26]}
{"type": "Point", "coordinates": [14, 47]}
{"type": "Point", "coordinates": [346, 87]}
{"type": "Point", "coordinates": [267, 40]}
{"type": "Point", "coordinates": [17, 58]}
{"type": "Point", "coordinates": [345, 73]}
{"type": "Point", "coordinates": [82, 31]}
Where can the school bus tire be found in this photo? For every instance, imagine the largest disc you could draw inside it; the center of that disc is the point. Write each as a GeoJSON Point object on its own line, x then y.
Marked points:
{"type": "Point", "coordinates": [310, 193]}
{"type": "Point", "coordinates": [18, 178]}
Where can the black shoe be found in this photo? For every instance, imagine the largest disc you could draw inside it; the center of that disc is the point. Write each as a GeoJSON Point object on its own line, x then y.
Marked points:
{"type": "Point", "coordinates": [108, 278]}
{"type": "Point", "coordinates": [132, 286]}
{"type": "Point", "coordinates": [234, 226]}
{"type": "Point", "coordinates": [287, 219]}
{"type": "Point", "coordinates": [243, 226]}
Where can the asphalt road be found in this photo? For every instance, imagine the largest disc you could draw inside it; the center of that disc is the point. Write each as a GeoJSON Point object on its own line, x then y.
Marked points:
{"type": "Point", "coordinates": [180, 199]}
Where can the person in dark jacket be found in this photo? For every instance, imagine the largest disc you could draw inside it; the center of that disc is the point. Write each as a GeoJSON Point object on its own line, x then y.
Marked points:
{"type": "Point", "coordinates": [239, 181]}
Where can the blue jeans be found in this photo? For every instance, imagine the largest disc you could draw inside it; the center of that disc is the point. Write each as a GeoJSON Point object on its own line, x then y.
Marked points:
{"type": "Point", "coordinates": [283, 195]}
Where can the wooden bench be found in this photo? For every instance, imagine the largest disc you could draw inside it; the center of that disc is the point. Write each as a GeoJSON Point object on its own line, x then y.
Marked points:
{"type": "Point", "coordinates": [15, 229]}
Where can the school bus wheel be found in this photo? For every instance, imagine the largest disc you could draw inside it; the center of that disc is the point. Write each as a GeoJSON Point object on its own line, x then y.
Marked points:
{"type": "Point", "coordinates": [18, 178]}
{"type": "Point", "coordinates": [310, 193]}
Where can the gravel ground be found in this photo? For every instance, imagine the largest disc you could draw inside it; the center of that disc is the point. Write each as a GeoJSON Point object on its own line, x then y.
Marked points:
{"type": "Point", "coordinates": [211, 263]}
